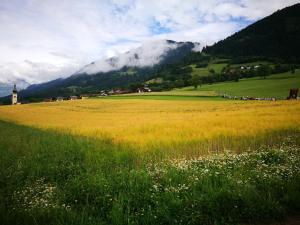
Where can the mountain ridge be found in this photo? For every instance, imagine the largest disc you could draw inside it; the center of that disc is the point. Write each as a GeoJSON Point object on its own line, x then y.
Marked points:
{"type": "Point", "coordinates": [277, 36]}
{"type": "Point", "coordinates": [121, 75]}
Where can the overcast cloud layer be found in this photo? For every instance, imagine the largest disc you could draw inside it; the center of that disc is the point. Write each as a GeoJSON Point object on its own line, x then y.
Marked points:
{"type": "Point", "coordinates": [43, 40]}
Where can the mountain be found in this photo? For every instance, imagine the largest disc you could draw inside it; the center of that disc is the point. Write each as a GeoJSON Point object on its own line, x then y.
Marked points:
{"type": "Point", "coordinates": [276, 36]}
{"type": "Point", "coordinates": [135, 66]}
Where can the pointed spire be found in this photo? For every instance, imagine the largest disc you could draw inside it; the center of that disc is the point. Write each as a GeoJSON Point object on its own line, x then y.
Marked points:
{"type": "Point", "coordinates": [15, 88]}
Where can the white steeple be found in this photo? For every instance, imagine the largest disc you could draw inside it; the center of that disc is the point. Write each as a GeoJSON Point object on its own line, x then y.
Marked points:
{"type": "Point", "coordinates": [14, 96]}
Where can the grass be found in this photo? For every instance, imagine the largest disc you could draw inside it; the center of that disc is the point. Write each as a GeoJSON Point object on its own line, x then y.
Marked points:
{"type": "Point", "coordinates": [252, 63]}
{"type": "Point", "coordinates": [217, 67]}
{"type": "Point", "coordinates": [48, 177]}
{"type": "Point", "coordinates": [173, 93]}
{"type": "Point", "coordinates": [277, 85]}
{"type": "Point", "coordinates": [180, 96]}
{"type": "Point", "coordinates": [273, 86]}
{"type": "Point", "coordinates": [153, 124]}
{"type": "Point", "coordinates": [166, 160]}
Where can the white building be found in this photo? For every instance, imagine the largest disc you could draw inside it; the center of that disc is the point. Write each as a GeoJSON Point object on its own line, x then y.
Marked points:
{"type": "Point", "coordinates": [14, 96]}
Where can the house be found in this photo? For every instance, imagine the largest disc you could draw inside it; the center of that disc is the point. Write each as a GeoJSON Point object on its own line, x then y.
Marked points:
{"type": "Point", "coordinates": [84, 96]}
{"type": "Point", "coordinates": [103, 93]}
{"type": "Point", "coordinates": [111, 92]}
{"type": "Point", "coordinates": [59, 99]}
{"type": "Point", "coordinates": [48, 100]}
{"type": "Point", "coordinates": [143, 89]}
{"type": "Point", "coordinates": [74, 97]}
{"type": "Point", "coordinates": [120, 91]}
{"type": "Point", "coordinates": [147, 89]}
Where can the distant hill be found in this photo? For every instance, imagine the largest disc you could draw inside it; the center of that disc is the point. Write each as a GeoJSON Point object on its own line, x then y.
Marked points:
{"type": "Point", "coordinates": [135, 66]}
{"type": "Point", "coordinates": [277, 35]}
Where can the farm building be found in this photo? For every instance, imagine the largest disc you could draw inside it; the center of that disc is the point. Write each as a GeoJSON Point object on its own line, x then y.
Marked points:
{"type": "Point", "coordinates": [144, 89]}
{"type": "Point", "coordinates": [84, 96]}
{"type": "Point", "coordinates": [48, 100]}
{"type": "Point", "coordinates": [59, 99]}
{"type": "Point", "coordinates": [73, 97]}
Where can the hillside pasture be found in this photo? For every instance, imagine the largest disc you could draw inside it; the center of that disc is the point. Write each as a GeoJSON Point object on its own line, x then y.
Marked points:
{"type": "Point", "coordinates": [217, 67]}
{"type": "Point", "coordinates": [276, 85]}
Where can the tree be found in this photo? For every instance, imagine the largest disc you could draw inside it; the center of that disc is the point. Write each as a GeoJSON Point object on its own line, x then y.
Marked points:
{"type": "Point", "coordinates": [212, 71]}
{"type": "Point", "coordinates": [263, 71]}
{"type": "Point", "coordinates": [293, 68]}
{"type": "Point", "coordinates": [133, 87]}
{"type": "Point", "coordinates": [195, 81]}
{"type": "Point", "coordinates": [234, 75]}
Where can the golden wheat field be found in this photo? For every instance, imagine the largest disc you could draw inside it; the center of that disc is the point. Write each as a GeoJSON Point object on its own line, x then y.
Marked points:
{"type": "Point", "coordinates": [145, 123]}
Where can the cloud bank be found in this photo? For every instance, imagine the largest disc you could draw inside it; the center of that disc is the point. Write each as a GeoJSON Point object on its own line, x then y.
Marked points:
{"type": "Point", "coordinates": [43, 40]}
{"type": "Point", "coordinates": [149, 54]}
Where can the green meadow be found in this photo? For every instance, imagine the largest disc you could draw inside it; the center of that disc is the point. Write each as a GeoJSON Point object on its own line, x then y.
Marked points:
{"type": "Point", "coordinates": [277, 85]}
{"type": "Point", "coordinates": [217, 67]}
{"type": "Point", "coordinates": [58, 178]}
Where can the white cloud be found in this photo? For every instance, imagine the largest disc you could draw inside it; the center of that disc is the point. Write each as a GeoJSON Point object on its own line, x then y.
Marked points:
{"type": "Point", "coordinates": [30, 72]}
{"type": "Point", "coordinates": [61, 36]}
{"type": "Point", "coordinates": [149, 54]}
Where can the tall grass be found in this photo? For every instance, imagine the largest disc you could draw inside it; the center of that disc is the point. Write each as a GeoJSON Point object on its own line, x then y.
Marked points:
{"type": "Point", "coordinates": [159, 123]}
{"type": "Point", "coordinates": [149, 162]}
{"type": "Point", "coordinates": [49, 177]}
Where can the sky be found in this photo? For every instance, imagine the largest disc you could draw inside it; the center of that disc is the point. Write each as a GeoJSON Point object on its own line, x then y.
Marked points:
{"type": "Point", "coordinates": [42, 40]}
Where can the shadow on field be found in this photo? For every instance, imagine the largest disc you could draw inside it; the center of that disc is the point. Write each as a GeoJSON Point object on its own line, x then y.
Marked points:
{"type": "Point", "coordinates": [54, 178]}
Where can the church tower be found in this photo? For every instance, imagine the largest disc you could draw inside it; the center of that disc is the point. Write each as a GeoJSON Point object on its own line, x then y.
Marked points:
{"type": "Point", "coordinates": [14, 96]}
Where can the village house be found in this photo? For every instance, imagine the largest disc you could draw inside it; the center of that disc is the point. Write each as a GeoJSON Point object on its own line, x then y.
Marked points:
{"type": "Point", "coordinates": [48, 100]}
{"type": "Point", "coordinates": [103, 93]}
{"type": "Point", "coordinates": [144, 89]}
{"type": "Point", "coordinates": [59, 99]}
{"type": "Point", "coordinates": [120, 91]}
{"type": "Point", "coordinates": [74, 97]}
{"type": "Point", "coordinates": [111, 92]}
{"type": "Point", "coordinates": [84, 96]}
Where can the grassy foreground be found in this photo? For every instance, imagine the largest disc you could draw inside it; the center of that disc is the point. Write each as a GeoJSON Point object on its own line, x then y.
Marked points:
{"type": "Point", "coordinates": [56, 178]}
{"type": "Point", "coordinates": [116, 161]}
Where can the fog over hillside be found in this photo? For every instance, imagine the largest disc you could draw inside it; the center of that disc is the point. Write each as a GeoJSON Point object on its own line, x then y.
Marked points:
{"type": "Point", "coordinates": [148, 54]}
